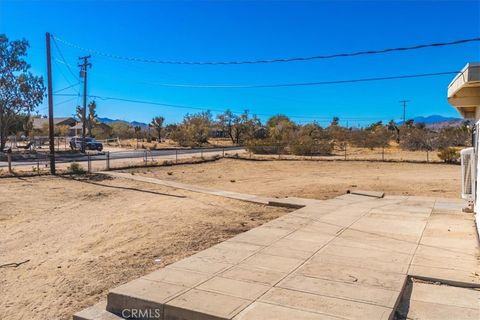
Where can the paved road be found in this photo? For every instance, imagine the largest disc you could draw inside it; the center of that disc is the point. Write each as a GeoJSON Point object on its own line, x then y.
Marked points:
{"type": "Point", "coordinates": [132, 154]}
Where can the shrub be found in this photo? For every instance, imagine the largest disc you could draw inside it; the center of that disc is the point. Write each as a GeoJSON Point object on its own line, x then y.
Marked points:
{"type": "Point", "coordinates": [449, 155]}
{"type": "Point", "coordinates": [76, 168]}
{"type": "Point", "coordinates": [264, 147]}
{"type": "Point", "coordinates": [307, 146]}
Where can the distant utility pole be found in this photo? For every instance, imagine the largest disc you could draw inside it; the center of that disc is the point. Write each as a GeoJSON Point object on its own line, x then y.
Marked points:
{"type": "Point", "coordinates": [83, 74]}
{"type": "Point", "coordinates": [51, 132]}
{"type": "Point", "coordinates": [404, 109]}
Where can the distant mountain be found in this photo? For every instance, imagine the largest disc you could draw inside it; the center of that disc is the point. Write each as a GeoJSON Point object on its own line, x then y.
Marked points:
{"type": "Point", "coordinates": [437, 121]}
{"type": "Point", "coordinates": [132, 123]}
{"type": "Point", "coordinates": [433, 119]}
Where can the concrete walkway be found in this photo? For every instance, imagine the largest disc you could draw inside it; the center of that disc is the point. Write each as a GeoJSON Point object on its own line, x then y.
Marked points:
{"type": "Point", "coordinates": [344, 258]}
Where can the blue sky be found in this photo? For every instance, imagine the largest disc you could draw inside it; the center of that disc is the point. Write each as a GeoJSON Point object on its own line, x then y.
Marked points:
{"type": "Point", "coordinates": [207, 30]}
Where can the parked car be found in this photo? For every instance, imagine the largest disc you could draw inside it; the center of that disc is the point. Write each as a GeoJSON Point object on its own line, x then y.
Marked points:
{"type": "Point", "coordinates": [90, 144]}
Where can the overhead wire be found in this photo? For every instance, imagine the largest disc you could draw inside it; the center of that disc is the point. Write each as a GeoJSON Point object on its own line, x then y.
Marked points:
{"type": "Point", "coordinates": [265, 61]}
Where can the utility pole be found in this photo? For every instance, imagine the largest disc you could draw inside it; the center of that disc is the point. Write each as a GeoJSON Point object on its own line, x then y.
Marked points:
{"type": "Point", "coordinates": [51, 129]}
{"type": "Point", "coordinates": [83, 74]}
{"type": "Point", "coordinates": [404, 109]}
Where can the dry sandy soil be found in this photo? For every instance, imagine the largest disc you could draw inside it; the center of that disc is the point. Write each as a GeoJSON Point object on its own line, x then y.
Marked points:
{"type": "Point", "coordinates": [81, 238]}
{"type": "Point", "coordinates": [317, 179]}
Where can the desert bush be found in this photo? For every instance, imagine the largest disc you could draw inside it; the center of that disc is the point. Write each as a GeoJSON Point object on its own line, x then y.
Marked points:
{"type": "Point", "coordinates": [308, 146]}
{"type": "Point", "coordinates": [264, 147]}
{"type": "Point", "coordinates": [76, 168]}
{"type": "Point", "coordinates": [194, 130]}
{"type": "Point", "coordinates": [449, 155]}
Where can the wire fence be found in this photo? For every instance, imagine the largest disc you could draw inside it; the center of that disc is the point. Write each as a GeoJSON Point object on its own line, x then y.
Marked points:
{"type": "Point", "coordinates": [38, 163]}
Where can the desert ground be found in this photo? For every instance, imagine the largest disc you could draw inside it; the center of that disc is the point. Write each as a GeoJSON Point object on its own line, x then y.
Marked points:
{"type": "Point", "coordinates": [77, 237]}
{"type": "Point", "coordinates": [80, 238]}
{"type": "Point", "coordinates": [316, 179]}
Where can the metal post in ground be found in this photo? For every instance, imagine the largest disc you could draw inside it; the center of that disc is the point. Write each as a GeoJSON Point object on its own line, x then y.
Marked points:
{"type": "Point", "coordinates": [201, 153]}
{"type": "Point", "coordinates": [427, 155]}
{"type": "Point", "coordinates": [89, 164]}
{"type": "Point", "coordinates": [108, 160]}
{"type": "Point", "coordinates": [383, 153]}
{"type": "Point", "coordinates": [38, 165]}
{"type": "Point", "coordinates": [176, 155]}
{"type": "Point", "coordinates": [345, 149]}
{"type": "Point", "coordinates": [223, 152]}
{"type": "Point", "coordinates": [9, 159]}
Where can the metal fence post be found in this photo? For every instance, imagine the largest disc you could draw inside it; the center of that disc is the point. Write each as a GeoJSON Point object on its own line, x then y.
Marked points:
{"type": "Point", "coordinates": [9, 159]}
{"type": "Point", "coordinates": [383, 153]}
{"type": "Point", "coordinates": [89, 164]}
{"type": "Point", "coordinates": [176, 155]}
{"type": "Point", "coordinates": [223, 152]}
{"type": "Point", "coordinates": [108, 160]}
{"type": "Point", "coordinates": [38, 165]}
{"type": "Point", "coordinates": [201, 153]}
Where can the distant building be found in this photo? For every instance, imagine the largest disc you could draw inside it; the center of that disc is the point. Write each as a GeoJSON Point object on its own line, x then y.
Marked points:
{"type": "Point", "coordinates": [40, 125]}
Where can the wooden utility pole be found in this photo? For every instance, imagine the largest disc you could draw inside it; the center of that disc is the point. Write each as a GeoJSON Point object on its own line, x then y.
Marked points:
{"type": "Point", "coordinates": [83, 74]}
{"type": "Point", "coordinates": [404, 109]}
{"type": "Point", "coordinates": [51, 128]}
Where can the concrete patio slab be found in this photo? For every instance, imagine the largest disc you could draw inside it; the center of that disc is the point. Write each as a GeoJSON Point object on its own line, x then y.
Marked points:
{"type": "Point", "coordinates": [344, 258]}
{"type": "Point", "coordinates": [425, 311]}
{"type": "Point", "coordinates": [253, 274]}
{"type": "Point", "coordinates": [236, 288]}
{"type": "Point", "coordinates": [267, 311]}
{"type": "Point", "coordinates": [142, 294]}
{"type": "Point", "coordinates": [178, 277]}
{"type": "Point", "coordinates": [200, 265]}
{"type": "Point", "coordinates": [203, 305]}
{"type": "Point", "coordinates": [349, 291]}
{"type": "Point", "coordinates": [447, 295]}
{"type": "Point", "coordinates": [341, 308]}
{"type": "Point", "coordinates": [353, 274]}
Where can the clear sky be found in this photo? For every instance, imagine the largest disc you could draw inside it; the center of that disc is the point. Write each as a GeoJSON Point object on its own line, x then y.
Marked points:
{"type": "Point", "coordinates": [208, 30]}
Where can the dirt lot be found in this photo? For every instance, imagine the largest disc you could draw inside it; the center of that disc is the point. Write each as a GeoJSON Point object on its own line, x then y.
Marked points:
{"type": "Point", "coordinates": [317, 179]}
{"type": "Point", "coordinates": [78, 239]}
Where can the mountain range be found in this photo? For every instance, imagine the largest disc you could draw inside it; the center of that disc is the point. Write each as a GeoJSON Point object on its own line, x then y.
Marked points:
{"type": "Point", "coordinates": [132, 123]}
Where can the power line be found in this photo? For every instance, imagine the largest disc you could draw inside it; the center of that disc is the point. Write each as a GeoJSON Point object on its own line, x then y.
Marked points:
{"type": "Point", "coordinates": [66, 88]}
{"type": "Point", "coordinates": [63, 58]}
{"type": "Point", "coordinates": [210, 109]}
{"type": "Point", "coordinates": [300, 84]}
{"type": "Point", "coordinates": [317, 57]}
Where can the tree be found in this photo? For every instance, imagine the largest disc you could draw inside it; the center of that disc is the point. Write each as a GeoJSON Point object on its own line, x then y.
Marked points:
{"type": "Point", "coordinates": [157, 124]}
{"type": "Point", "coordinates": [121, 129]}
{"type": "Point", "coordinates": [20, 90]}
{"type": "Point", "coordinates": [92, 116]}
{"type": "Point", "coordinates": [392, 127]}
{"type": "Point", "coordinates": [238, 128]}
{"type": "Point", "coordinates": [194, 130]}
{"type": "Point", "coordinates": [280, 129]}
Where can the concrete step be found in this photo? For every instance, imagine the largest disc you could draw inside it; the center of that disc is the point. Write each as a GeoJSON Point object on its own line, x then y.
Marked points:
{"type": "Point", "coordinates": [96, 312]}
